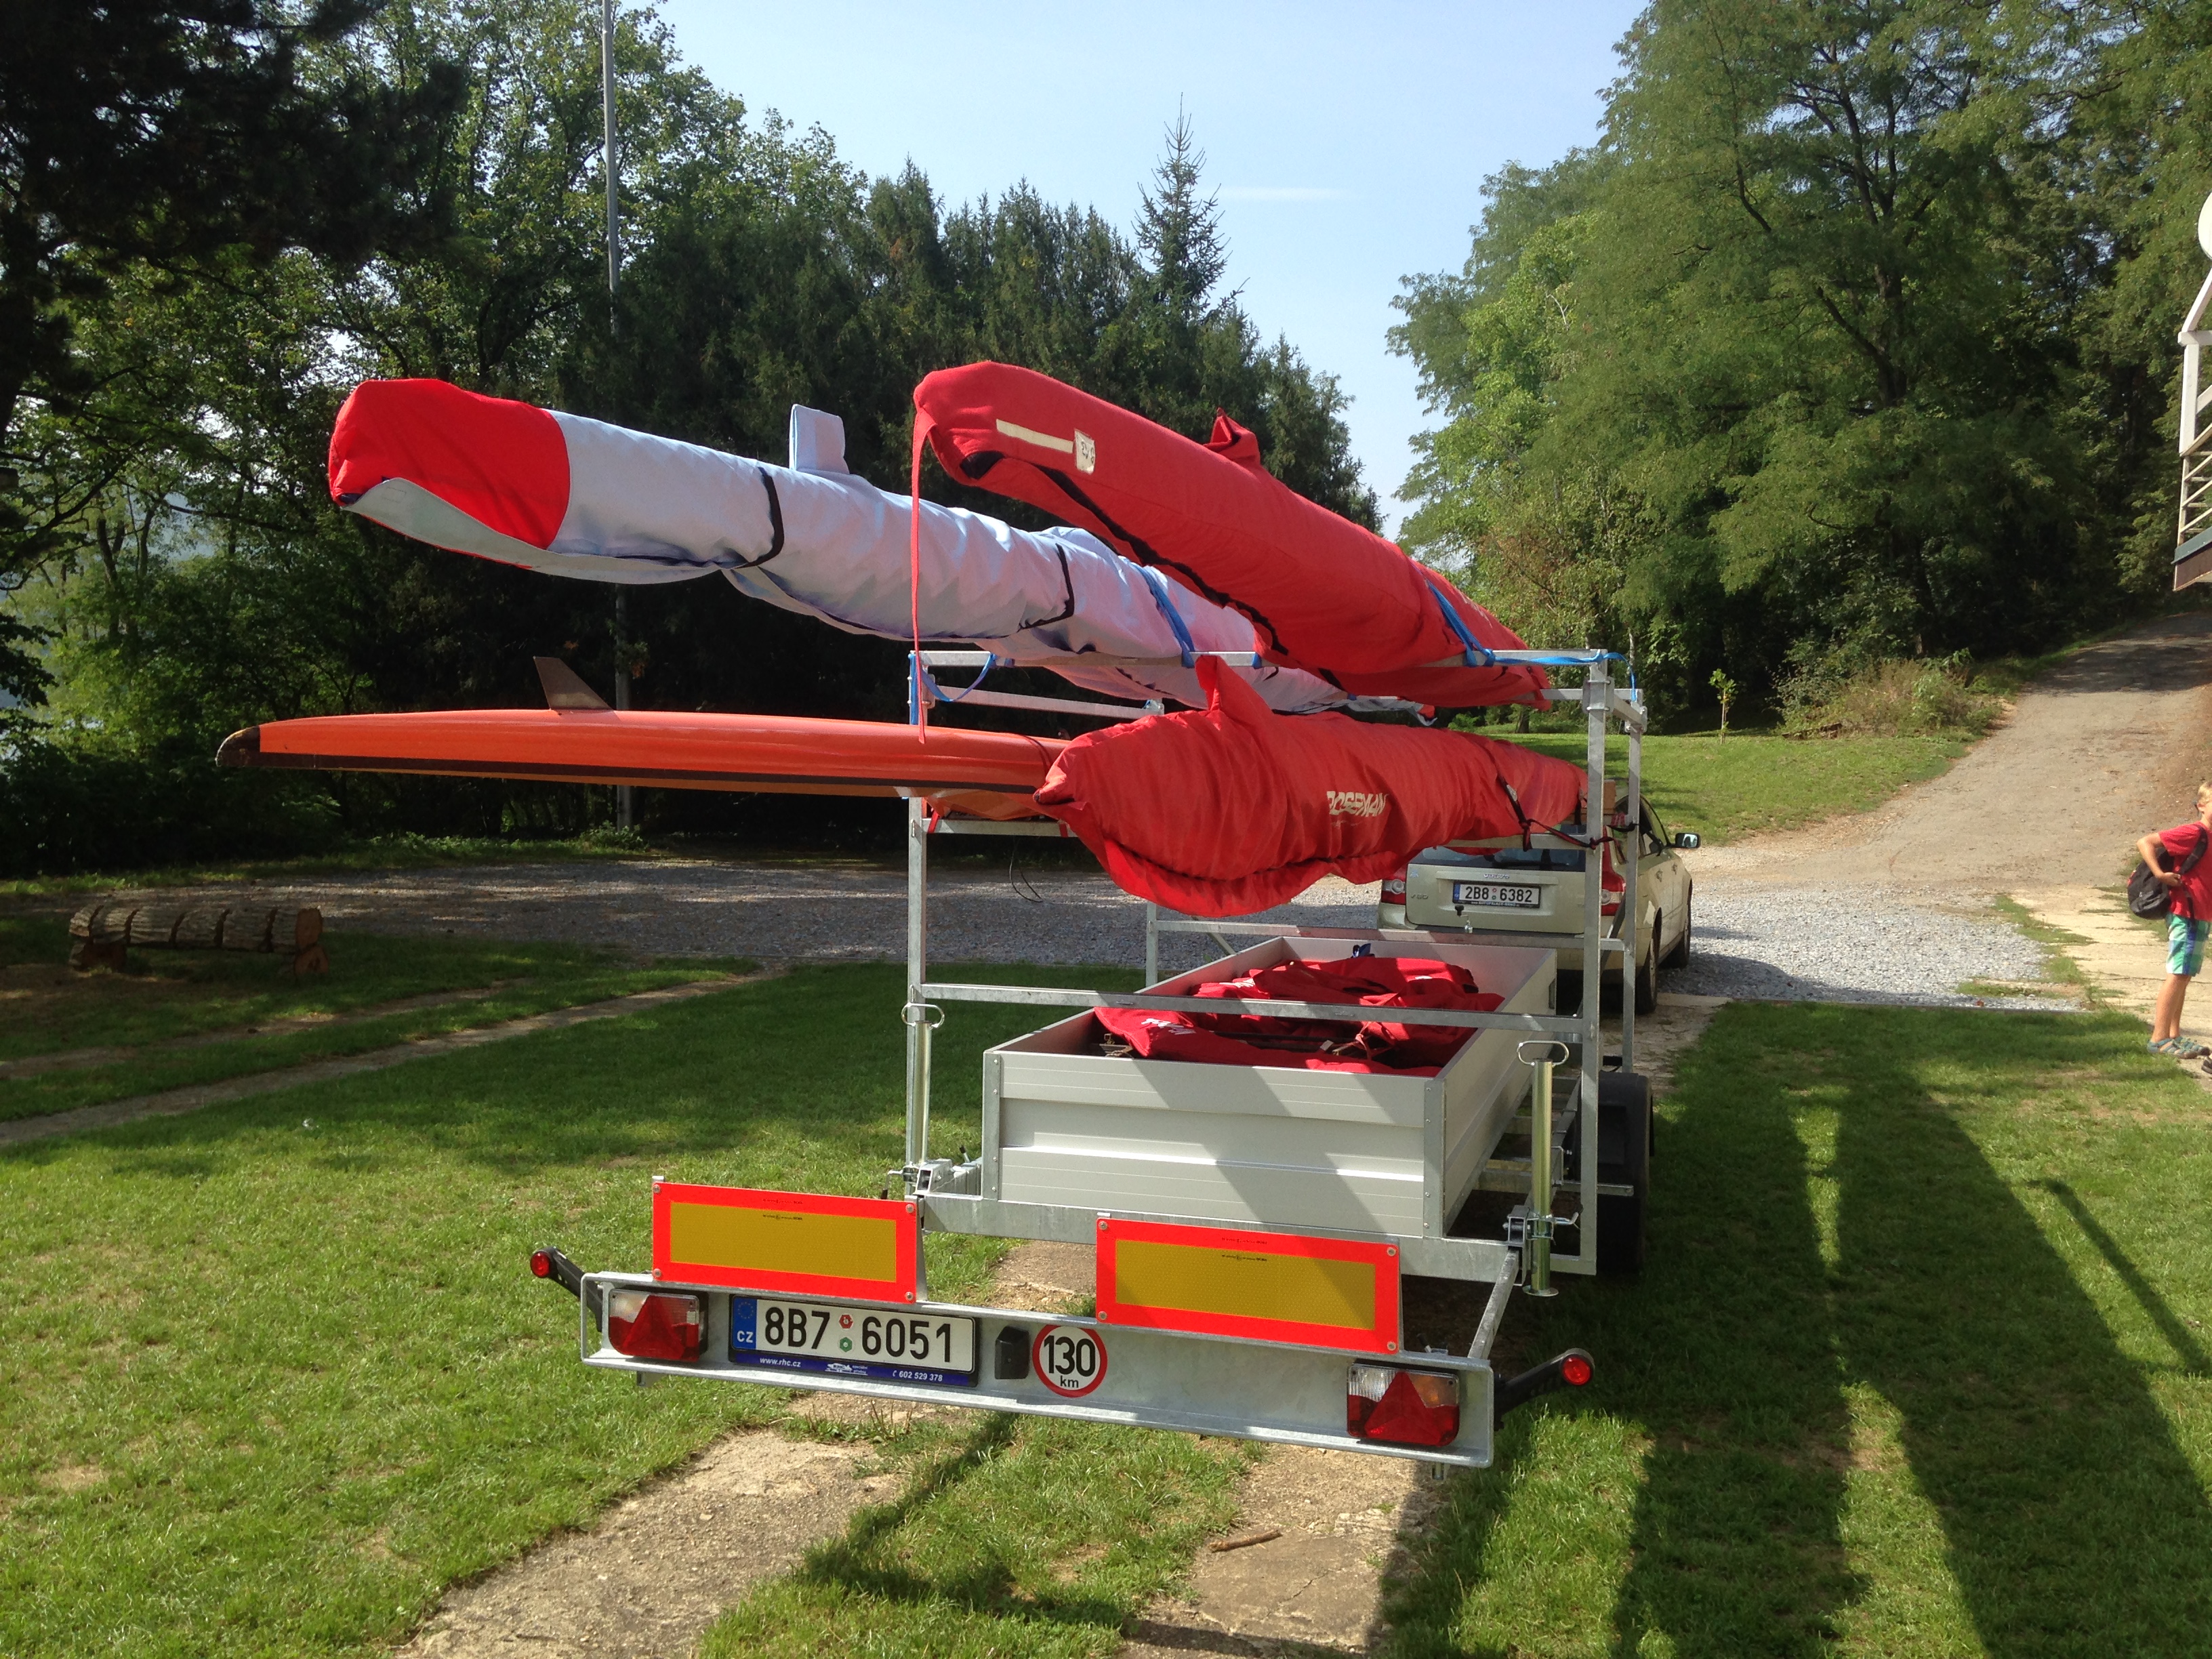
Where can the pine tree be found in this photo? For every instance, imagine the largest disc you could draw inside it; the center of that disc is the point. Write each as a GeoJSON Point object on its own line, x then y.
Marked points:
{"type": "Point", "coordinates": [1180, 232]}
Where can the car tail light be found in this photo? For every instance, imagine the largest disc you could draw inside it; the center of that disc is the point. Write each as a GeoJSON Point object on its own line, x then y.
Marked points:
{"type": "Point", "coordinates": [1610, 908]}
{"type": "Point", "coordinates": [1393, 888]}
{"type": "Point", "coordinates": [656, 1325]}
{"type": "Point", "coordinates": [1402, 1408]}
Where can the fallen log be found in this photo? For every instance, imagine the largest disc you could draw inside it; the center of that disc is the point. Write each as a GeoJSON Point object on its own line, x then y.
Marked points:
{"type": "Point", "coordinates": [100, 934]}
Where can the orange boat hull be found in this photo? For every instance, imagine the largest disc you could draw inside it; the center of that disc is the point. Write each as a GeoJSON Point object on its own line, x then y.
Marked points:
{"type": "Point", "coordinates": [992, 774]}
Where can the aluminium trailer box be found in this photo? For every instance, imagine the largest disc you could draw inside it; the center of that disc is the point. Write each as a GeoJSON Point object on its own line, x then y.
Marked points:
{"type": "Point", "coordinates": [1274, 1146]}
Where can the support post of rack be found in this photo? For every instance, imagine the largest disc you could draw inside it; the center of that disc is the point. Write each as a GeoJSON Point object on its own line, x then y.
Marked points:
{"type": "Point", "coordinates": [1597, 705]}
{"type": "Point", "coordinates": [1541, 1055]}
{"type": "Point", "coordinates": [917, 974]}
{"type": "Point", "coordinates": [1151, 943]}
{"type": "Point", "coordinates": [1631, 847]}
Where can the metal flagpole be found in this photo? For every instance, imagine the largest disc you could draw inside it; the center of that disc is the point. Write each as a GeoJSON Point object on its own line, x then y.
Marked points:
{"type": "Point", "coordinates": [625, 807]}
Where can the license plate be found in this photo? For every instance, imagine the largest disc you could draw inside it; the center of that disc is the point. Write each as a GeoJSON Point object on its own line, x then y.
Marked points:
{"type": "Point", "coordinates": [892, 1345]}
{"type": "Point", "coordinates": [1496, 897]}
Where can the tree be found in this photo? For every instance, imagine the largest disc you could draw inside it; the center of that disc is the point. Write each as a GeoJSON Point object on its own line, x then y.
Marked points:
{"type": "Point", "coordinates": [1180, 232]}
{"type": "Point", "coordinates": [1811, 357]}
{"type": "Point", "coordinates": [185, 485]}
{"type": "Point", "coordinates": [165, 134]}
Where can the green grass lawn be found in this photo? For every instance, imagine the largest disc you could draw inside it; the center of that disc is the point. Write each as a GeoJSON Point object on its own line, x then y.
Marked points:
{"type": "Point", "coordinates": [400, 852]}
{"type": "Point", "coordinates": [1920, 1366]}
{"type": "Point", "coordinates": [1020, 1536]}
{"type": "Point", "coordinates": [1727, 789]}
{"type": "Point", "coordinates": [274, 1374]}
{"type": "Point", "coordinates": [169, 995]}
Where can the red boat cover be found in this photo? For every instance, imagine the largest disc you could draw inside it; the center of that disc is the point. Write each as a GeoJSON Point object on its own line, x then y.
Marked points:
{"type": "Point", "coordinates": [1325, 594]}
{"type": "Point", "coordinates": [504, 464]}
{"type": "Point", "coordinates": [1316, 1045]}
{"type": "Point", "coordinates": [1230, 809]}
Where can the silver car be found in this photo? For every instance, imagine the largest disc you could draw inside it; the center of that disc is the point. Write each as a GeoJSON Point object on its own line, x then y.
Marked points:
{"type": "Point", "coordinates": [1501, 886]}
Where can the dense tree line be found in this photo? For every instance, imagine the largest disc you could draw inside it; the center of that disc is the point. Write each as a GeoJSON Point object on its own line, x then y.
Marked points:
{"type": "Point", "coordinates": [1851, 340]}
{"type": "Point", "coordinates": [177, 568]}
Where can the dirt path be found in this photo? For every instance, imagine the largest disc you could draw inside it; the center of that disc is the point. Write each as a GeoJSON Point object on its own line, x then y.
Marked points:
{"type": "Point", "coordinates": [2111, 744]}
{"type": "Point", "coordinates": [172, 1101]}
{"type": "Point", "coordinates": [80, 1060]}
{"type": "Point", "coordinates": [657, 1569]}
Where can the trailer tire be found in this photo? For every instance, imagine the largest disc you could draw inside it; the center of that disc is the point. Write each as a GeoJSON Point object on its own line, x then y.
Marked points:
{"type": "Point", "coordinates": [1624, 1159]}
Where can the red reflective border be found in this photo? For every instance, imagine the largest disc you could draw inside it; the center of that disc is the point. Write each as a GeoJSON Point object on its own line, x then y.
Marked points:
{"type": "Point", "coordinates": [1382, 1337]}
{"type": "Point", "coordinates": [906, 1245]}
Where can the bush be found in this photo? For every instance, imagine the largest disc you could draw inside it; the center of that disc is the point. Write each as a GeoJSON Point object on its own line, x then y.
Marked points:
{"type": "Point", "coordinates": [65, 809]}
{"type": "Point", "coordinates": [1921, 697]}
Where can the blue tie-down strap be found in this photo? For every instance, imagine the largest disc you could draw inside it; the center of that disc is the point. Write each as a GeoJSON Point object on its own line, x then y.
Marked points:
{"type": "Point", "coordinates": [1476, 655]}
{"type": "Point", "coordinates": [939, 691]}
{"type": "Point", "coordinates": [1166, 603]}
{"type": "Point", "coordinates": [921, 683]}
{"type": "Point", "coordinates": [1585, 660]}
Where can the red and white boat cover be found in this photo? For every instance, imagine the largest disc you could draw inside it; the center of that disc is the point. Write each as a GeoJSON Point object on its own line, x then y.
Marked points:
{"type": "Point", "coordinates": [575, 497]}
{"type": "Point", "coordinates": [1325, 594]}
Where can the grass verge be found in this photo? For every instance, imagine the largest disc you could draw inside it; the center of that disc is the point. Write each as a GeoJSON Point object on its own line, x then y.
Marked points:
{"type": "Point", "coordinates": [170, 997]}
{"type": "Point", "coordinates": [400, 852]}
{"type": "Point", "coordinates": [1019, 1536]}
{"type": "Point", "coordinates": [1920, 1366]}
{"type": "Point", "coordinates": [267, 1388]}
{"type": "Point", "coordinates": [1726, 788]}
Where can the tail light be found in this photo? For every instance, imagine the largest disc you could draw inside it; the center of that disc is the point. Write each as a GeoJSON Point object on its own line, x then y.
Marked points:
{"type": "Point", "coordinates": [1393, 888]}
{"type": "Point", "coordinates": [1402, 1408]}
{"type": "Point", "coordinates": [656, 1325]}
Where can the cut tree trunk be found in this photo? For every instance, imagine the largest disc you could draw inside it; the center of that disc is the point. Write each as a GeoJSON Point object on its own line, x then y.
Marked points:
{"type": "Point", "coordinates": [100, 934]}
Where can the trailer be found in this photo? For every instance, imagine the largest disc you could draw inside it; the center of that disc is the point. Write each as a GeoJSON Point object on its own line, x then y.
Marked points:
{"type": "Point", "coordinates": [1254, 1229]}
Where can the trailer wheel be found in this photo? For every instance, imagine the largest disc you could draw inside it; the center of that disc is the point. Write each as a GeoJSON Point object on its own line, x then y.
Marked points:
{"type": "Point", "coordinates": [1624, 1159]}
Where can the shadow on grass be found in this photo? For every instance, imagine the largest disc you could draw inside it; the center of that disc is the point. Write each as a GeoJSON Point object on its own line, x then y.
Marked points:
{"type": "Point", "coordinates": [1725, 1354]}
{"type": "Point", "coordinates": [1875, 1408]}
{"type": "Point", "coordinates": [868, 1561]}
{"type": "Point", "coordinates": [2072, 1519]}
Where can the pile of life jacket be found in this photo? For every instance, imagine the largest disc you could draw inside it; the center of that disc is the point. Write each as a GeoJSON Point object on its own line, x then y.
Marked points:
{"type": "Point", "coordinates": [1315, 1045]}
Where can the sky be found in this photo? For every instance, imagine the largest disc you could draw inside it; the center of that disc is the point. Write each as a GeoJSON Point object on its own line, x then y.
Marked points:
{"type": "Point", "coordinates": [1348, 143]}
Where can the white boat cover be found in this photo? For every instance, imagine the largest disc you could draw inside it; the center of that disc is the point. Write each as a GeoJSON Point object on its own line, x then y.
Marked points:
{"type": "Point", "coordinates": [811, 537]}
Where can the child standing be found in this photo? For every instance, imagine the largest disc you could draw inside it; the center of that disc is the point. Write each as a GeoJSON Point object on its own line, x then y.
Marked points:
{"type": "Point", "coordinates": [2186, 924]}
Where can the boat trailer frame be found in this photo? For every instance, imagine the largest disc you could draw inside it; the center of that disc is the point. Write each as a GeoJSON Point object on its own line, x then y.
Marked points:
{"type": "Point", "coordinates": [1210, 1383]}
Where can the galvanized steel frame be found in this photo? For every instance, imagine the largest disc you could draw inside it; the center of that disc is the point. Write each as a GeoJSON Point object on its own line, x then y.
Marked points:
{"type": "Point", "coordinates": [1602, 701]}
{"type": "Point", "coordinates": [1281, 1394]}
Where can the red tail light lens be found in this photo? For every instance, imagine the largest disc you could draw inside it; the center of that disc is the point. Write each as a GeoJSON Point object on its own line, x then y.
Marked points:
{"type": "Point", "coordinates": [1575, 1369]}
{"type": "Point", "coordinates": [1402, 1408]}
{"type": "Point", "coordinates": [541, 1263]}
{"type": "Point", "coordinates": [656, 1325]}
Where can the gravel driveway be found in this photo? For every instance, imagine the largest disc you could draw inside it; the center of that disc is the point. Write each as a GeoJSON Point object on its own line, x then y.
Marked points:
{"type": "Point", "coordinates": [1829, 944]}
{"type": "Point", "coordinates": [830, 912]}
{"type": "Point", "coordinates": [1825, 943]}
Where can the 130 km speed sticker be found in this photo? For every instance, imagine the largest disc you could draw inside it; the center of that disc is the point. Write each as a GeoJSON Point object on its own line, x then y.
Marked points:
{"type": "Point", "coordinates": [1069, 1360]}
